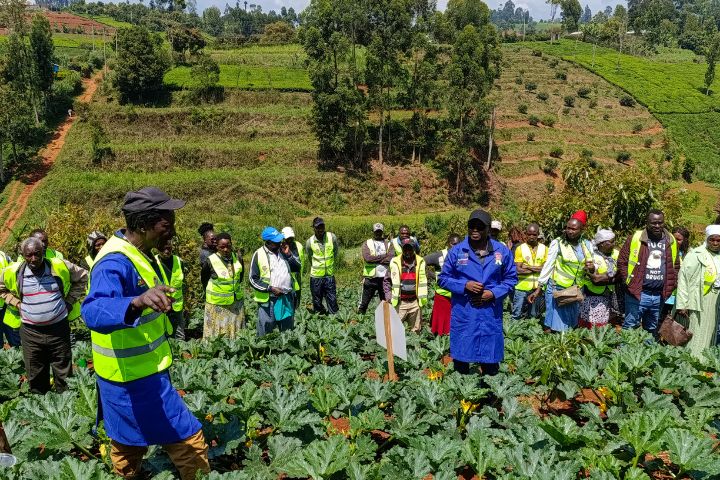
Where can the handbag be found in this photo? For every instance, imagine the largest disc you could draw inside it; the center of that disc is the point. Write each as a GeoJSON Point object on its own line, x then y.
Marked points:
{"type": "Point", "coordinates": [568, 295]}
{"type": "Point", "coordinates": [673, 332]}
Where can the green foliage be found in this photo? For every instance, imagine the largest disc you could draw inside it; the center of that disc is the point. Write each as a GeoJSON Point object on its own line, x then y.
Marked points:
{"type": "Point", "coordinates": [569, 101]}
{"type": "Point", "coordinates": [537, 53]}
{"type": "Point", "coordinates": [647, 143]}
{"type": "Point", "coordinates": [627, 101]}
{"type": "Point", "coordinates": [556, 152]}
{"type": "Point", "coordinates": [548, 120]}
{"type": "Point", "coordinates": [711, 58]}
{"type": "Point", "coordinates": [543, 96]}
{"type": "Point", "coordinates": [571, 11]}
{"type": "Point", "coordinates": [584, 92]}
{"type": "Point", "coordinates": [534, 120]}
{"type": "Point", "coordinates": [185, 43]}
{"type": "Point", "coordinates": [623, 156]}
{"type": "Point", "coordinates": [637, 128]}
{"type": "Point", "coordinates": [278, 33]}
{"type": "Point", "coordinates": [42, 52]}
{"type": "Point", "coordinates": [530, 86]}
{"type": "Point", "coordinates": [531, 136]}
{"type": "Point", "coordinates": [550, 165]}
{"type": "Point", "coordinates": [141, 64]}
{"type": "Point", "coordinates": [560, 75]}
{"type": "Point", "coordinates": [523, 108]}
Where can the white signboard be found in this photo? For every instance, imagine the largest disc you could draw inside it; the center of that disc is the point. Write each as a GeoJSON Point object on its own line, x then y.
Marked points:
{"type": "Point", "coordinates": [397, 331]}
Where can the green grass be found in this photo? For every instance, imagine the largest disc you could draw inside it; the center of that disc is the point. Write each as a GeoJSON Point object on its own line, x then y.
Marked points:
{"type": "Point", "coordinates": [247, 77]}
{"type": "Point", "coordinates": [109, 21]}
{"type": "Point", "coordinates": [673, 92]}
{"type": "Point", "coordinates": [262, 55]}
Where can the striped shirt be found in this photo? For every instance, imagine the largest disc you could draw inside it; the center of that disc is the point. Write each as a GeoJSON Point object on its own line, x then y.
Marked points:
{"type": "Point", "coordinates": [43, 302]}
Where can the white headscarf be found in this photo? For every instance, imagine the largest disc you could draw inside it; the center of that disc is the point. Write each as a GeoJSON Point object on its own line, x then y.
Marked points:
{"type": "Point", "coordinates": [603, 235]}
{"type": "Point", "coordinates": [712, 230]}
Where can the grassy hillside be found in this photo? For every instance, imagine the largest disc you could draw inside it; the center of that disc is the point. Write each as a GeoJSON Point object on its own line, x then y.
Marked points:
{"type": "Point", "coordinates": [673, 92]}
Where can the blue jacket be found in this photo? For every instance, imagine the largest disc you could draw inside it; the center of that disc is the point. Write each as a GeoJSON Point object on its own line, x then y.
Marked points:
{"type": "Point", "coordinates": [476, 333]}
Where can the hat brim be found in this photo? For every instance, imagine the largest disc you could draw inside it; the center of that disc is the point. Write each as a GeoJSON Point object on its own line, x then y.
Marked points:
{"type": "Point", "coordinates": [172, 204]}
{"type": "Point", "coordinates": [276, 238]}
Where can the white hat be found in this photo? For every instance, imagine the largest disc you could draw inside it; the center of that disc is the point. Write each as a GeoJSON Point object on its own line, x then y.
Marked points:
{"type": "Point", "coordinates": [288, 232]}
{"type": "Point", "coordinates": [378, 226]}
{"type": "Point", "coordinates": [496, 225]}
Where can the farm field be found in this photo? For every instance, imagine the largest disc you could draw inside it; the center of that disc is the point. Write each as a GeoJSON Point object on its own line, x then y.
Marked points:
{"type": "Point", "coordinates": [312, 403]}
{"type": "Point", "coordinates": [673, 92]}
{"type": "Point", "coordinates": [250, 77]}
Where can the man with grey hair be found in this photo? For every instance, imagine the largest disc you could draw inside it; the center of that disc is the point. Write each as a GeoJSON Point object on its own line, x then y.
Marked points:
{"type": "Point", "coordinates": [39, 293]}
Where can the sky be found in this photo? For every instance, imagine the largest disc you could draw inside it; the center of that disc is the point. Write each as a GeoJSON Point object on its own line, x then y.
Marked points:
{"type": "Point", "coordinates": [538, 8]}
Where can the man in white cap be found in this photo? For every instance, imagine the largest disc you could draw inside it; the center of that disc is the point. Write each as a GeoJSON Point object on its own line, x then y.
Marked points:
{"type": "Point", "coordinates": [297, 250]}
{"type": "Point", "coordinates": [376, 254]}
{"type": "Point", "coordinates": [495, 229]}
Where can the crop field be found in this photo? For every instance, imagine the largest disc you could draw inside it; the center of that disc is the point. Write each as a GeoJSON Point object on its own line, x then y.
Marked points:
{"type": "Point", "coordinates": [250, 77]}
{"type": "Point", "coordinates": [672, 91]}
{"type": "Point", "coordinates": [596, 122]}
{"type": "Point", "coordinates": [312, 403]}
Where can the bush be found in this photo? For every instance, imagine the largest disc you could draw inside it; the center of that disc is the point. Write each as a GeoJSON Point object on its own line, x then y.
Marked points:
{"type": "Point", "coordinates": [548, 121]}
{"type": "Point", "coordinates": [556, 152]}
{"type": "Point", "coordinates": [569, 101]}
{"type": "Point", "coordinates": [141, 64]}
{"type": "Point", "coordinates": [518, 80]}
{"type": "Point", "coordinates": [543, 96]}
{"type": "Point", "coordinates": [586, 154]}
{"type": "Point", "coordinates": [530, 86]}
{"type": "Point", "coordinates": [523, 108]}
{"type": "Point", "coordinates": [606, 116]}
{"type": "Point", "coordinates": [623, 156]}
{"type": "Point", "coordinates": [566, 111]}
{"type": "Point", "coordinates": [627, 101]}
{"type": "Point", "coordinates": [554, 62]}
{"type": "Point", "coordinates": [550, 165]}
{"type": "Point", "coordinates": [637, 128]}
{"type": "Point", "coordinates": [648, 143]}
{"type": "Point", "coordinates": [533, 120]}
{"type": "Point", "coordinates": [593, 103]}
{"type": "Point", "coordinates": [531, 136]}
{"type": "Point", "coordinates": [583, 92]}
{"type": "Point", "coordinates": [561, 75]}
{"type": "Point", "coordinates": [536, 53]}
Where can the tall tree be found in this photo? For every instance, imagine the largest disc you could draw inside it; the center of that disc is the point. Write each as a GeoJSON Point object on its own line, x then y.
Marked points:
{"type": "Point", "coordinates": [713, 53]}
{"type": "Point", "coordinates": [141, 64]}
{"type": "Point", "coordinates": [571, 12]}
{"type": "Point", "coordinates": [212, 21]}
{"type": "Point", "coordinates": [586, 16]}
{"type": "Point", "coordinates": [467, 12]}
{"type": "Point", "coordinates": [42, 52]}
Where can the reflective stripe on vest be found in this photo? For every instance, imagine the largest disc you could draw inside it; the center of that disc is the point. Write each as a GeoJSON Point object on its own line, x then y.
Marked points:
{"type": "Point", "coordinates": [441, 261]}
{"type": "Point", "coordinates": [225, 289]}
{"type": "Point", "coordinates": [297, 275]}
{"type": "Point", "coordinates": [529, 281]}
{"type": "Point", "coordinates": [58, 269]}
{"type": "Point", "coordinates": [322, 263]}
{"type": "Point", "coordinates": [129, 354]}
{"type": "Point", "coordinates": [176, 281]}
{"type": "Point", "coordinates": [261, 257]}
{"type": "Point", "coordinates": [421, 288]}
{"type": "Point", "coordinates": [634, 254]}
{"type": "Point", "coordinates": [370, 269]}
{"type": "Point", "coordinates": [90, 261]}
{"type": "Point", "coordinates": [568, 267]}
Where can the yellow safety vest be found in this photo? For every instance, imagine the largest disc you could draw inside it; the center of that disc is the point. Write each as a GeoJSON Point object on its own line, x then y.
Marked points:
{"type": "Point", "coordinates": [568, 267]}
{"type": "Point", "coordinates": [264, 266]}
{"type": "Point", "coordinates": [129, 354]}
{"type": "Point", "coordinates": [227, 288]}
{"type": "Point", "coordinates": [369, 269]}
{"type": "Point", "coordinates": [398, 247]}
{"type": "Point", "coordinates": [634, 254]}
{"type": "Point", "coordinates": [421, 288]}
{"type": "Point", "coordinates": [90, 261]}
{"type": "Point", "coordinates": [528, 282]}
{"type": "Point", "coordinates": [50, 254]}
{"type": "Point", "coordinates": [58, 269]}
{"type": "Point", "coordinates": [601, 267]}
{"type": "Point", "coordinates": [322, 263]}
{"type": "Point", "coordinates": [176, 281]}
{"type": "Point", "coordinates": [296, 276]}
{"type": "Point", "coordinates": [710, 273]}
{"type": "Point", "coordinates": [4, 262]}
{"type": "Point", "coordinates": [439, 290]}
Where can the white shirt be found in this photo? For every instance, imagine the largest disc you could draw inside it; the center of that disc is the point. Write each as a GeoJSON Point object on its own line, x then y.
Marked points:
{"type": "Point", "coordinates": [380, 270]}
{"type": "Point", "coordinates": [716, 260]}
{"type": "Point", "coordinates": [279, 272]}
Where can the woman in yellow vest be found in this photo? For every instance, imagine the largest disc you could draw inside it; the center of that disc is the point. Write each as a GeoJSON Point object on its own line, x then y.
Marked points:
{"type": "Point", "coordinates": [95, 241]}
{"type": "Point", "coordinates": [126, 312]}
{"type": "Point", "coordinates": [568, 261]}
{"type": "Point", "coordinates": [600, 286]}
{"type": "Point", "coordinates": [222, 276]}
{"type": "Point", "coordinates": [173, 274]}
{"type": "Point", "coordinates": [699, 290]}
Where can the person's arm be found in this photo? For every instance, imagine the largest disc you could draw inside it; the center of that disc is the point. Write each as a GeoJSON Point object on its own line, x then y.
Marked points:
{"type": "Point", "coordinates": [623, 258]}
{"type": "Point", "coordinates": [205, 274]}
{"type": "Point", "coordinates": [520, 266]}
{"type": "Point", "coordinates": [254, 276]}
{"type": "Point", "coordinates": [308, 253]}
{"type": "Point", "coordinates": [371, 258]}
{"type": "Point", "coordinates": [387, 286]}
{"type": "Point", "coordinates": [108, 307]}
{"type": "Point", "coordinates": [549, 264]}
{"type": "Point", "coordinates": [78, 282]}
{"type": "Point", "coordinates": [433, 260]}
{"type": "Point", "coordinates": [5, 294]}
{"type": "Point", "coordinates": [292, 259]}
{"type": "Point", "coordinates": [509, 279]}
{"type": "Point", "coordinates": [449, 278]}
{"type": "Point", "coordinates": [389, 255]}
{"type": "Point", "coordinates": [688, 277]}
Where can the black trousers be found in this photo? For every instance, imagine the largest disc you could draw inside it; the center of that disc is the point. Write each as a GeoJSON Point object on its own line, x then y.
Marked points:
{"type": "Point", "coordinates": [324, 288]}
{"type": "Point", "coordinates": [45, 348]}
{"type": "Point", "coordinates": [177, 320]}
{"type": "Point", "coordinates": [371, 287]}
{"type": "Point", "coordinates": [486, 368]}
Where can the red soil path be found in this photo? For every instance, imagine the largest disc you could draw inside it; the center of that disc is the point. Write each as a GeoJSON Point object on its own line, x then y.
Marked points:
{"type": "Point", "coordinates": [72, 22]}
{"type": "Point", "coordinates": [19, 191]}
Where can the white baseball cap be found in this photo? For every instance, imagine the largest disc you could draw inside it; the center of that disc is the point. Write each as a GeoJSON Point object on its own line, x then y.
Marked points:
{"type": "Point", "coordinates": [378, 226]}
{"type": "Point", "coordinates": [288, 232]}
{"type": "Point", "coordinates": [496, 224]}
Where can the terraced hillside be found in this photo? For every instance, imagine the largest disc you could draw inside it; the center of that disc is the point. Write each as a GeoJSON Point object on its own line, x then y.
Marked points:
{"type": "Point", "coordinates": [538, 89]}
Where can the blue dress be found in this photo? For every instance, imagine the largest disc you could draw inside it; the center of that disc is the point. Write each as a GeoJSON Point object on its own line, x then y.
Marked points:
{"type": "Point", "coordinates": [147, 411]}
{"type": "Point", "coordinates": [476, 333]}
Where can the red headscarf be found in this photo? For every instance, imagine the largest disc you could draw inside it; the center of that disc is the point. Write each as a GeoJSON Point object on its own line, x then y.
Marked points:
{"type": "Point", "coordinates": [580, 216]}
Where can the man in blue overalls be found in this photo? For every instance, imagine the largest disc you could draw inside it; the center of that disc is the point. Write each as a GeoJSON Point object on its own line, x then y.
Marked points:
{"type": "Point", "coordinates": [480, 273]}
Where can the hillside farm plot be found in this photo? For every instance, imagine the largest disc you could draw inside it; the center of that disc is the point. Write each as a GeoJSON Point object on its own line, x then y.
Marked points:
{"type": "Point", "coordinates": [673, 92]}
{"type": "Point", "coordinates": [535, 123]}
{"type": "Point", "coordinates": [250, 77]}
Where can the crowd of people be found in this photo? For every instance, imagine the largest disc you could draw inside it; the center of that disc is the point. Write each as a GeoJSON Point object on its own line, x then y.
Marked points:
{"type": "Point", "coordinates": [133, 287]}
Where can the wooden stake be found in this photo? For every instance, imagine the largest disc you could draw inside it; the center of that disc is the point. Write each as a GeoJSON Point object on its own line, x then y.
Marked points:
{"type": "Point", "coordinates": [4, 444]}
{"type": "Point", "coordinates": [388, 342]}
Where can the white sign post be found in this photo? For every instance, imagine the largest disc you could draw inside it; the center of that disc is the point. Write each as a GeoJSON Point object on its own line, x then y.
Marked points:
{"type": "Point", "coordinates": [390, 334]}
